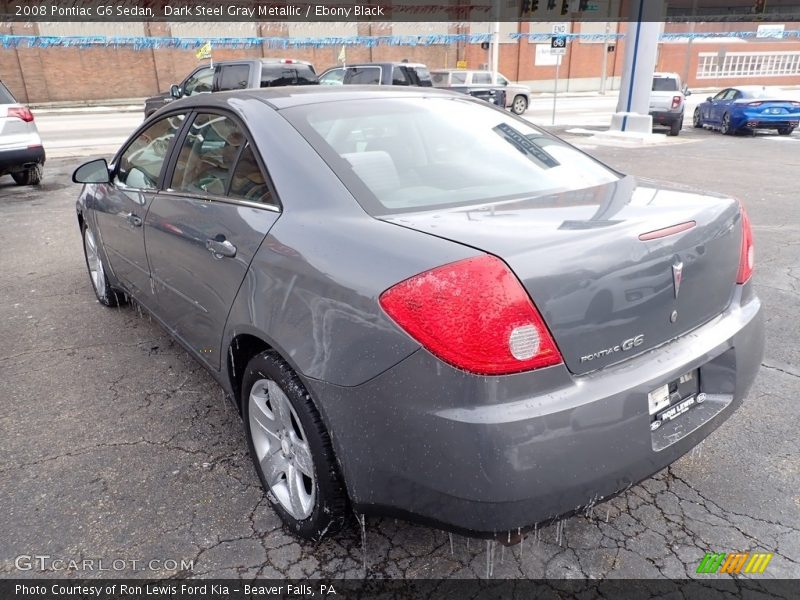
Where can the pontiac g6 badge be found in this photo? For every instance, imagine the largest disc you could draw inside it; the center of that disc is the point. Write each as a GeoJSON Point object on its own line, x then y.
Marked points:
{"type": "Point", "coordinates": [677, 276]}
{"type": "Point", "coordinates": [626, 345]}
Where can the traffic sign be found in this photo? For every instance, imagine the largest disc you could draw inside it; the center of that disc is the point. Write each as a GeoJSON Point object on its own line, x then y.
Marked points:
{"type": "Point", "coordinates": [559, 28]}
{"type": "Point", "coordinates": [558, 45]}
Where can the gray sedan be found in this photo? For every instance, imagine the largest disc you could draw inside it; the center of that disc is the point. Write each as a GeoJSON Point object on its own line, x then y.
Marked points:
{"type": "Point", "coordinates": [425, 306]}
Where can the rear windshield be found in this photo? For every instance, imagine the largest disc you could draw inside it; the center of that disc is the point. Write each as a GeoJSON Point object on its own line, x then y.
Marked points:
{"type": "Point", "coordinates": [665, 84]}
{"type": "Point", "coordinates": [363, 75]}
{"type": "Point", "coordinates": [5, 96]}
{"type": "Point", "coordinates": [283, 74]}
{"type": "Point", "coordinates": [409, 154]}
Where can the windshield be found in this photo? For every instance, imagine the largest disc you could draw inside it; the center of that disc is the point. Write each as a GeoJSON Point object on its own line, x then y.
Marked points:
{"type": "Point", "coordinates": [665, 84]}
{"type": "Point", "coordinates": [406, 154]}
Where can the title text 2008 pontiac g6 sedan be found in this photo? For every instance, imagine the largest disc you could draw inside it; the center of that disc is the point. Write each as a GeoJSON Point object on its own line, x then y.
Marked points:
{"type": "Point", "coordinates": [424, 306]}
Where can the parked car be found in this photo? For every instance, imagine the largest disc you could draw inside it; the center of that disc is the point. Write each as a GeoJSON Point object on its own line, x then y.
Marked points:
{"type": "Point", "coordinates": [668, 101]}
{"type": "Point", "coordinates": [518, 97]}
{"type": "Point", "coordinates": [21, 151]}
{"type": "Point", "coordinates": [387, 73]}
{"type": "Point", "coordinates": [377, 279]}
{"type": "Point", "coordinates": [749, 107]}
{"type": "Point", "coordinates": [237, 75]}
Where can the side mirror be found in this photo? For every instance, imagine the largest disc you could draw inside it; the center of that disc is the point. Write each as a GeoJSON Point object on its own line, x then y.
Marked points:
{"type": "Point", "coordinates": [709, 99]}
{"type": "Point", "coordinates": [175, 91]}
{"type": "Point", "coordinates": [94, 171]}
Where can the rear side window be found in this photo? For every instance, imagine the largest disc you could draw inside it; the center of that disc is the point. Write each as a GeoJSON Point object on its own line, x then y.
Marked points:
{"type": "Point", "coordinates": [248, 181]}
{"type": "Point", "coordinates": [458, 78]}
{"type": "Point", "coordinates": [280, 74]}
{"type": "Point", "coordinates": [5, 95]}
{"type": "Point", "coordinates": [482, 77]}
{"type": "Point", "coordinates": [234, 77]}
{"type": "Point", "coordinates": [209, 151]}
{"type": "Point", "coordinates": [363, 75]}
{"type": "Point", "coordinates": [141, 163]}
{"type": "Point", "coordinates": [665, 84]}
{"type": "Point", "coordinates": [439, 78]}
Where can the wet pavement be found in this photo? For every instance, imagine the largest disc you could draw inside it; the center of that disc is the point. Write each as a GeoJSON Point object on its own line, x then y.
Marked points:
{"type": "Point", "coordinates": [115, 444]}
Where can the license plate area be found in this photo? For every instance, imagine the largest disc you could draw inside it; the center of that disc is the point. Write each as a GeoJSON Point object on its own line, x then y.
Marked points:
{"type": "Point", "coordinates": [671, 400]}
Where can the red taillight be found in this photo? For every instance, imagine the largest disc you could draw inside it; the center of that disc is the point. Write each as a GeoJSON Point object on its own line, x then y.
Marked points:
{"type": "Point", "coordinates": [21, 112]}
{"type": "Point", "coordinates": [475, 315]}
{"type": "Point", "coordinates": [676, 101]}
{"type": "Point", "coordinates": [754, 103]}
{"type": "Point", "coordinates": [746, 256]}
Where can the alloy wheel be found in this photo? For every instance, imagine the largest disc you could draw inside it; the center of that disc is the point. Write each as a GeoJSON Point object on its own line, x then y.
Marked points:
{"type": "Point", "coordinates": [282, 450]}
{"type": "Point", "coordinates": [96, 271]}
{"type": "Point", "coordinates": [520, 105]}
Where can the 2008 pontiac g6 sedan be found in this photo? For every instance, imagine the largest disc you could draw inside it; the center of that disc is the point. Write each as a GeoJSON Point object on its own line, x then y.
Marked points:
{"type": "Point", "coordinates": [424, 306]}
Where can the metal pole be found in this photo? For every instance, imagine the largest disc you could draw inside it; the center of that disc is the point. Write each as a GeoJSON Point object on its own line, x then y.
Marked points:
{"type": "Point", "coordinates": [688, 60]}
{"type": "Point", "coordinates": [604, 73]}
{"type": "Point", "coordinates": [555, 91]}
{"type": "Point", "coordinates": [495, 50]}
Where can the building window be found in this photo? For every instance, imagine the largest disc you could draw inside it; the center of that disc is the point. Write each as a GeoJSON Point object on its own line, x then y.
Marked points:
{"type": "Point", "coordinates": [748, 64]}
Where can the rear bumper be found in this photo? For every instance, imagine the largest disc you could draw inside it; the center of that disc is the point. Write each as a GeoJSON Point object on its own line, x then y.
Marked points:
{"type": "Point", "coordinates": [21, 158]}
{"type": "Point", "coordinates": [485, 455]}
{"type": "Point", "coordinates": [665, 117]}
{"type": "Point", "coordinates": [761, 121]}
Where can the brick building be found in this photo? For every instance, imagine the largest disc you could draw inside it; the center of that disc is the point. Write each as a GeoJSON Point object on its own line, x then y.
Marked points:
{"type": "Point", "coordinates": [97, 73]}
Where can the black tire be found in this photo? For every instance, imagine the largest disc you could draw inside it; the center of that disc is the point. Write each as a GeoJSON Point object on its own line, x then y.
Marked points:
{"type": "Point", "coordinates": [785, 130]}
{"type": "Point", "coordinates": [30, 176]}
{"type": "Point", "coordinates": [726, 128]}
{"type": "Point", "coordinates": [329, 512]}
{"type": "Point", "coordinates": [676, 127]}
{"type": "Point", "coordinates": [697, 119]}
{"type": "Point", "coordinates": [519, 105]}
{"type": "Point", "coordinates": [106, 294]}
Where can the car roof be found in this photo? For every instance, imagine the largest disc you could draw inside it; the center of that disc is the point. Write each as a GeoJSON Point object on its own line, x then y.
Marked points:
{"type": "Point", "coordinates": [675, 75]}
{"type": "Point", "coordinates": [395, 63]}
{"type": "Point", "coordinates": [288, 96]}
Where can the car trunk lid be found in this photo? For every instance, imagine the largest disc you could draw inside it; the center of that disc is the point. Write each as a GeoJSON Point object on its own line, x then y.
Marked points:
{"type": "Point", "coordinates": [606, 294]}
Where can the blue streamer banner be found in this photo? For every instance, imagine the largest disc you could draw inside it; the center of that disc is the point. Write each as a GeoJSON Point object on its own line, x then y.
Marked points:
{"type": "Point", "coordinates": [188, 43]}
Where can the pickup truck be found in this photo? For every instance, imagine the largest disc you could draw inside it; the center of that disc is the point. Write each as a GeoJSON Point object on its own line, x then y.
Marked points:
{"type": "Point", "coordinates": [668, 101]}
{"type": "Point", "coordinates": [236, 75]}
{"type": "Point", "coordinates": [518, 97]}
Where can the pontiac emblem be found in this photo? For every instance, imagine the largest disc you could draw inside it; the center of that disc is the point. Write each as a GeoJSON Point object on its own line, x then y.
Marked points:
{"type": "Point", "coordinates": [677, 276]}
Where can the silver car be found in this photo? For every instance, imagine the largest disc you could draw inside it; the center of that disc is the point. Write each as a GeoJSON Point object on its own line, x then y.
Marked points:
{"type": "Point", "coordinates": [424, 306]}
{"type": "Point", "coordinates": [21, 152]}
{"type": "Point", "coordinates": [518, 97]}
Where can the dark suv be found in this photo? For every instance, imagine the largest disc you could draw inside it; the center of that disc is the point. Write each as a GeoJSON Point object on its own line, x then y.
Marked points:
{"type": "Point", "coordinates": [237, 75]}
{"type": "Point", "coordinates": [386, 73]}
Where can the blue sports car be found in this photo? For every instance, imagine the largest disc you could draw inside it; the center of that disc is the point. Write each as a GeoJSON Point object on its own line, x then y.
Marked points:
{"type": "Point", "coordinates": [749, 107]}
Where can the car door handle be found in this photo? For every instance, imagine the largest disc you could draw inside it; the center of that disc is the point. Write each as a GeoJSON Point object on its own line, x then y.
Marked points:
{"type": "Point", "coordinates": [134, 220]}
{"type": "Point", "coordinates": [223, 249]}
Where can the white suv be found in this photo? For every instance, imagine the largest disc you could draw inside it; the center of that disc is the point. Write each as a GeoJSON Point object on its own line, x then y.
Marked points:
{"type": "Point", "coordinates": [21, 151]}
{"type": "Point", "coordinates": [668, 101]}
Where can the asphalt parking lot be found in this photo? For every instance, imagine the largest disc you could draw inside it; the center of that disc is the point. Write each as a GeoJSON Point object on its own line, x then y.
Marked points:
{"type": "Point", "coordinates": [116, 445]}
